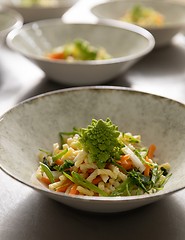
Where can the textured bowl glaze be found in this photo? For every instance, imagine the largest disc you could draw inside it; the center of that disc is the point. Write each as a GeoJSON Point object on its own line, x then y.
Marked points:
{"type": "Point", "coordinates": [36, 123]}
{"type": "Point", "coordinates": [37, 12]}
{"type": "Point", "coordinates": [9, 20]}
{"type": "Point", "coordinates": [174, 14]}
{"type": "Point", "coordinates": [127, 44]}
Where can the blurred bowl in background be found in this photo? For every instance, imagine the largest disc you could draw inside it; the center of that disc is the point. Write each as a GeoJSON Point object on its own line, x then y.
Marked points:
{"type": "Point", "coordinates": [173, 13]}
{"type": "Point", "coordinates": [35, 12]}
{"type": "Point", "coordinates": [127, 44]}
{"type": "Point", "coordinates": [9, 20]}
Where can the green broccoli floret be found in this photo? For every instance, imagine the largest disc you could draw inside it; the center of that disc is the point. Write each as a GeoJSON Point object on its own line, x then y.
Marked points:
{"type": "Point", "coordinates": [100, 141]}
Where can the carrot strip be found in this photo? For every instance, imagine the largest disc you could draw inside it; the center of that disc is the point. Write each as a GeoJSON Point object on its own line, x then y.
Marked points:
{"type": "Point", "coordinates": [64, 187]}
{"type": "Point", "coordinates": [46, 180]}
{"type": "Point", "coordinates": [126, 164]}
{"type": "Point", "coordinates": [74, 190]}
{"type": "Point", "coordinates": [59, 162]}
{"type": "Point", "coordinates": [96, 180]}
{"type": "Point", "coordinates": [147, 167]}
{"type": "Point", "coordinates": [60, 55]}
{"type": "Point", "coordinates": [151, 151]}
{"type": "Point", "coordinates": [125, 157]}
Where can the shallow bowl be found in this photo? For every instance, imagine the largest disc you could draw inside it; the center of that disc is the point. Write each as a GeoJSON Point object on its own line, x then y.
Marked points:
{"type": "Point", "coordinates": [36, 123]}
{"type": "Point", "coordinates": [127, 44]}
{"type": "Point", "coordinates": [37, 12]}
{"type": "Point", "coordinates": [9, 20]}
{"type": "Point", "coordinates": [174, 16]}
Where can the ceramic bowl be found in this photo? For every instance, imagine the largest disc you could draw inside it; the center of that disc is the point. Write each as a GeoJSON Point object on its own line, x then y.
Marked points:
{"type": "Point", "coordinates": [9, 20]}
{"type": "Point", "coordinates": [37, 12]}
{"type": "Point", "coordinates": [127, 44]}
{"type": "Point", "coordinates": [174, 16]}
{"type": "Point", "coordinates": [36, 123]}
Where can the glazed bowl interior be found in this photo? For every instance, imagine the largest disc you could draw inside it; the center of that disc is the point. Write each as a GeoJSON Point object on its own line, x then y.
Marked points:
{"type": "Point", "coordinates": [174, 16]}
{"type": "Point", "coordinates": [37, 39]}
{"type": "Point", "coordinates": [37, 122]}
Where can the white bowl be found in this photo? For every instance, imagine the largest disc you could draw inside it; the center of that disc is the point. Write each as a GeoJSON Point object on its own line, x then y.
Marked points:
{"type": "Point", "coordinates": [36, 123]}
{"type": "Point", "coordinates": [127, 44]}
{"type": "Point", "coordinates": [9, 20]}
{"type": "Point", "coordinates": [38, 12]}
{"type": "Point", "coordinates": [174, 15]}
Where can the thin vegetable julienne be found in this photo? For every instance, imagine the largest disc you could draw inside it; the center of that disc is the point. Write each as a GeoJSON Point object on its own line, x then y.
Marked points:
{"type": "Point", "coordinates": [59, 155]}
{"type": "Point", "coordinates": [47, 172]}
{"type": "Point", "coordinates": [79, 180]}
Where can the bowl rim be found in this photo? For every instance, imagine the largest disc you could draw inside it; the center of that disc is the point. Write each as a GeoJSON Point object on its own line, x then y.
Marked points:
{"type": "Point", "coordinates": [60, 4]}
{"type": "Point", "coordinates": [91, 198]}
{"type": "Point", "coordinates": [58, 21]}
{"type": "Point", "coordinates": [166, 26]}
{"type": "Point", "coordinates": [16, 15]}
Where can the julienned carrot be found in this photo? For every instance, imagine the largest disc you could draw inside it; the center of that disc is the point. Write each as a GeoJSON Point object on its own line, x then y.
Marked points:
{"type": "Point", "coordinates": [125, 162]}
{"type": "Point", "coordinates": [59, 55]}
{"type": "Point", "coordinates": [147, 169]}
{"type": "Point", "coordinates": [64, 187]}
{"type": "Point", "coordinates": [125, 157]}
{"type": "Point", "coordinates": [96, 180]}
{"type": "Point", "coordinates": [151, 151]}
{"type": "Point", "coordinates": [58, 161]}
{"type": "Point", "coordinates": [74, 190]}
{"type": "Point", "coordinates": [46, 180]}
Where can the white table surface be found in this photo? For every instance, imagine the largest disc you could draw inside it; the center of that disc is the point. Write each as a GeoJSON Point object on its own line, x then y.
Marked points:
{"type": "Point", "coordinates": [26, 214]}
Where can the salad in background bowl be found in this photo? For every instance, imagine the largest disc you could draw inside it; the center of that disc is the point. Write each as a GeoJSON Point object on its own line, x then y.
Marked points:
{"type": "Point", "coordinates": [34, 10]}
{"type": "Point", "coordinates": [126, 44]}
{"type": "Point", "coordinates": [171, 16]}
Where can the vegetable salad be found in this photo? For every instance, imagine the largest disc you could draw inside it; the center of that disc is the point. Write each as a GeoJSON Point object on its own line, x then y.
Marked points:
{"type": "Point", "coordinates": [79, 50]}
{"type": "Point", "coordinates": [143, 16]}
{"type": "Point", "coordinates": [101, 161]}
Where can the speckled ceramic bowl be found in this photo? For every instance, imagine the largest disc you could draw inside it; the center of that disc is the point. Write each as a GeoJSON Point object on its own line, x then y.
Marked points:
{"type": "Point", "coordinates": [36, 123]}
{"type": "Point", "coordinates": [37, 12]}
{"type": "Point", "coordinates": [127, 44]}
{"type": "Point", "coordinates": [174, 16]}
{"type": "Point", "coordinates": [9, 20]}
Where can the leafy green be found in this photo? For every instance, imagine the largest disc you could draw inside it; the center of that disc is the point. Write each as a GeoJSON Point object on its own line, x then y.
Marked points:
{"type": "Point", "coordinates": [120, 190]}
{"type": "Point", "coordinates": [66, 165]}
{"type": "Point", "coordinates": [165, 172]}
{"type": "Point", "coordinates": [86, 51]}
